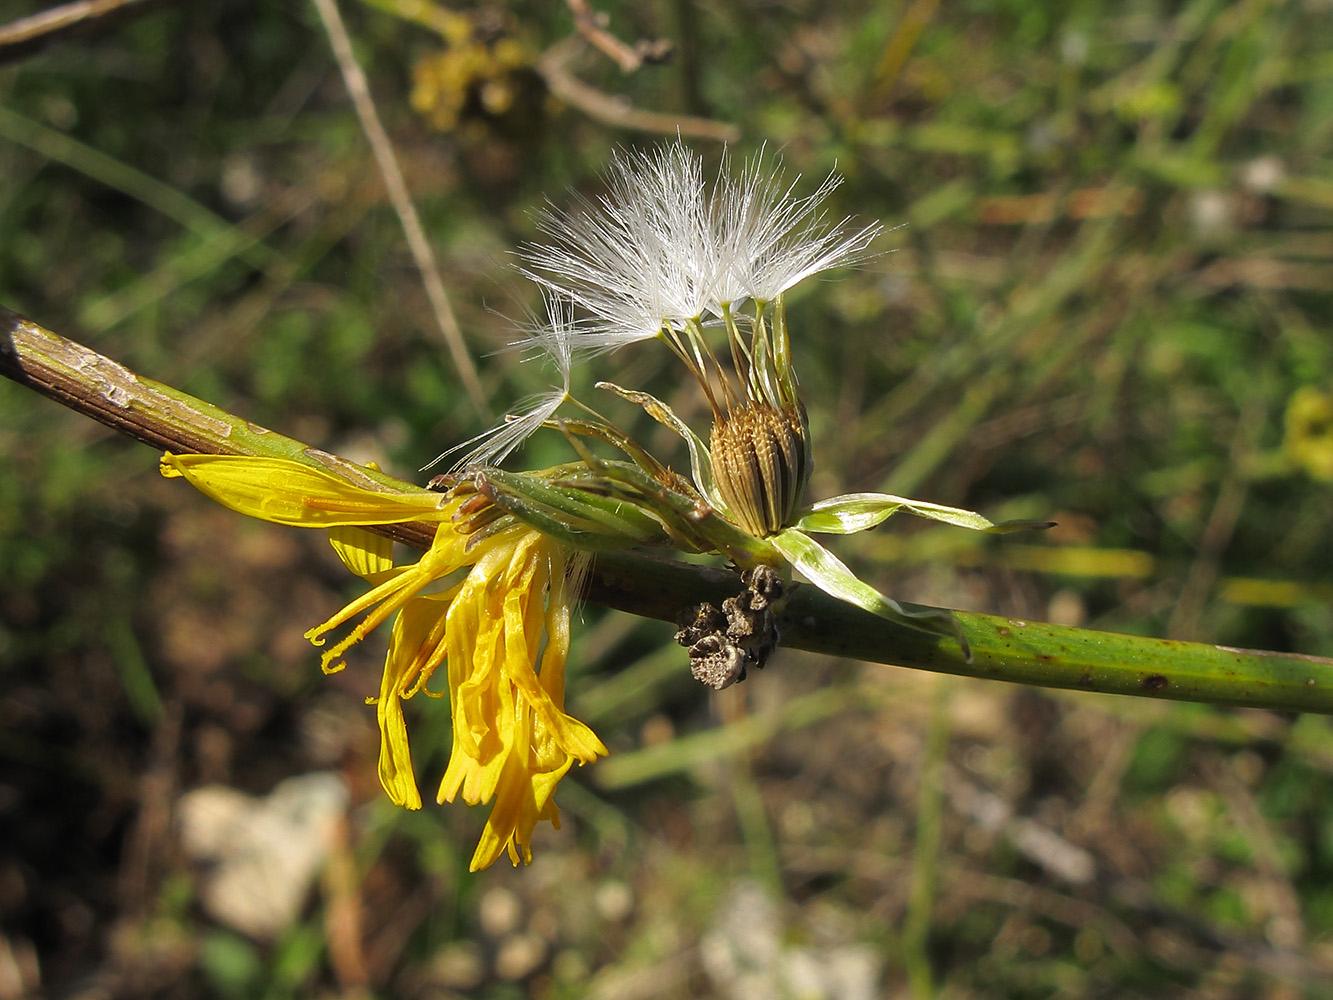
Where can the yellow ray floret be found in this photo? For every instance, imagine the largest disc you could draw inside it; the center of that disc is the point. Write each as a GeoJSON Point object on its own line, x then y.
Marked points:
{"type": "Point", "coordinates": [286, 492]}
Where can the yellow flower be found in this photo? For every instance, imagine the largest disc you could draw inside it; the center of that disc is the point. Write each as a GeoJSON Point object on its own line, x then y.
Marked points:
{"type": "Point", "coordinates": [502, 627]}
{"type": "Point", "coordinates": [1309, 432]}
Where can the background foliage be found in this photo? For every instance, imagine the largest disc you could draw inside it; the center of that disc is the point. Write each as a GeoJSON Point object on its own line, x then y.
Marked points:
{"type": "Point", "coordinates": [1110, 301]}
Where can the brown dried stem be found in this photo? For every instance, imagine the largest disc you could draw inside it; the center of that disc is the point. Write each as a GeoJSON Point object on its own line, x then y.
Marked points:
{"type": "Point", "coordinates": [616, 110]}
{"type": "Point", "coordinates": [422, 254]}
{"type": "Point", "coordinates": [24, 36]}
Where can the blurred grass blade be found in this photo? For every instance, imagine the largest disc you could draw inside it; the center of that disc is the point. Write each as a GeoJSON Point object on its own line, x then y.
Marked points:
{"type": "Point", "coordinates": [134, 183]}
{"type": "Point", "coordinates": [926, 855]}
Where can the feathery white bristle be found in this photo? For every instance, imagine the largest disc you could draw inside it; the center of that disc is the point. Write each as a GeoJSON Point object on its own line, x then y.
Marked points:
{"type": "Point", "coordinates": [775, 239]}
{"type": "Point", "coordinates": [661, 247]}
{"type": "Point", "coordinates": [555, 341]}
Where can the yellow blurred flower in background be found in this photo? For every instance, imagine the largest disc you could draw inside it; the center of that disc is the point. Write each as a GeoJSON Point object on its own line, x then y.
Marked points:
{"type": "Point", "coordinates": [1309, 432]}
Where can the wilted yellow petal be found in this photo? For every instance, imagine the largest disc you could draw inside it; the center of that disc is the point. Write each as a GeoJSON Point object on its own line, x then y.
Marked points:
{"type": "Point", "coordinates": [524, 797]}
{"type": "Point", "coordinates": [416, 632]}
{"type": "Point", "coordinates": [286, 492]}
{"type": "Point", "coordinates": [513, 741]}
{"type": "Point", "coordinates": [483, 742]}
{"type": "Point", "coordinates": [363, 552]}
{"type": "Point", "coordinates": [395, 765]}
{"type": "Point", "coordinates": [395, 588]}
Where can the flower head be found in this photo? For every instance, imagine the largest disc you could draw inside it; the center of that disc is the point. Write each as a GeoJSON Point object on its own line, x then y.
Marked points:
{"type": "Point", "coordinates": [663, 254]}
{"type": "Point", "coordinates": [1309, 432]}
{"type": "Point", "coordinates": [502, 630]}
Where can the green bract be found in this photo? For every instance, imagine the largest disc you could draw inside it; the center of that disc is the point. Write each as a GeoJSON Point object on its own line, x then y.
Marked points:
{"type": "Point", "coordinates": [853, 512]}
{"type": "Point", "coordinates": [827, 572]}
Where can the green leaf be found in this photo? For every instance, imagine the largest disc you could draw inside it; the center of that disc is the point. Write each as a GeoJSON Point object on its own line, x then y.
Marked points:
{"type": "Point", "coordinates": [827, 572]}
{"type": "Point", "coordinates": [846, 515]}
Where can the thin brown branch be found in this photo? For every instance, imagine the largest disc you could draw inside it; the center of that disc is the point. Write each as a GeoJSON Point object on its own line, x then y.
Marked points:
{"type": "Point", "coordinates": [21, 38]}
{"type": "Point", "coordinates": [616, 110]}
{"type": "Point", "coordinates": [629, 58]}
{"type": "Point", "coordinates": [359, 90]}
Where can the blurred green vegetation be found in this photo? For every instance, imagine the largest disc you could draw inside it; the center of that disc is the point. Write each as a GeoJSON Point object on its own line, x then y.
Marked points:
{"type": "Point", "coordinates": [1111, 301]}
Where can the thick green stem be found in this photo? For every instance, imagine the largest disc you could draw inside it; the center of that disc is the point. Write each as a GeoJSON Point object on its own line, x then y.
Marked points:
{"type": "Point", "coordinates": [1006, 649]}
{"type": "Point", "coordinates": [160, 416]}
{"type": "Point", "coordinates": [1003, 649]}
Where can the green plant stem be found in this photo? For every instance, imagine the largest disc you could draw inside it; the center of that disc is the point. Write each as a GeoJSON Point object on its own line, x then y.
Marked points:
{"type": "Point", "coordinates": [1005, 649]}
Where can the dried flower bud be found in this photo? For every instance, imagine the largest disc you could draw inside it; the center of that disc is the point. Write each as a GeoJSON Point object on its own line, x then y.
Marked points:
{"type": "Point", "coordinates": [761, 461]}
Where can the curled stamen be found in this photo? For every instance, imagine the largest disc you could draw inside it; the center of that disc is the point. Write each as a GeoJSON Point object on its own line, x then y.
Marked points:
{"type": "Point", "coordinates": [448, 482]}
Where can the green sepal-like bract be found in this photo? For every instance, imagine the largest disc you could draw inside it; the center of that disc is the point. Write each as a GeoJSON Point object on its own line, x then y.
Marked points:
{"type": "Point", "coordinates": [827, 572]}
{"type": "Point", "coordinates": [578, 517]}
{"type": "Point", "coordinates": [697, 521]}
{"type": "Point", "coordinates": [853, 512]}
{"type": "Point", "coordinates": [701, 464]}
